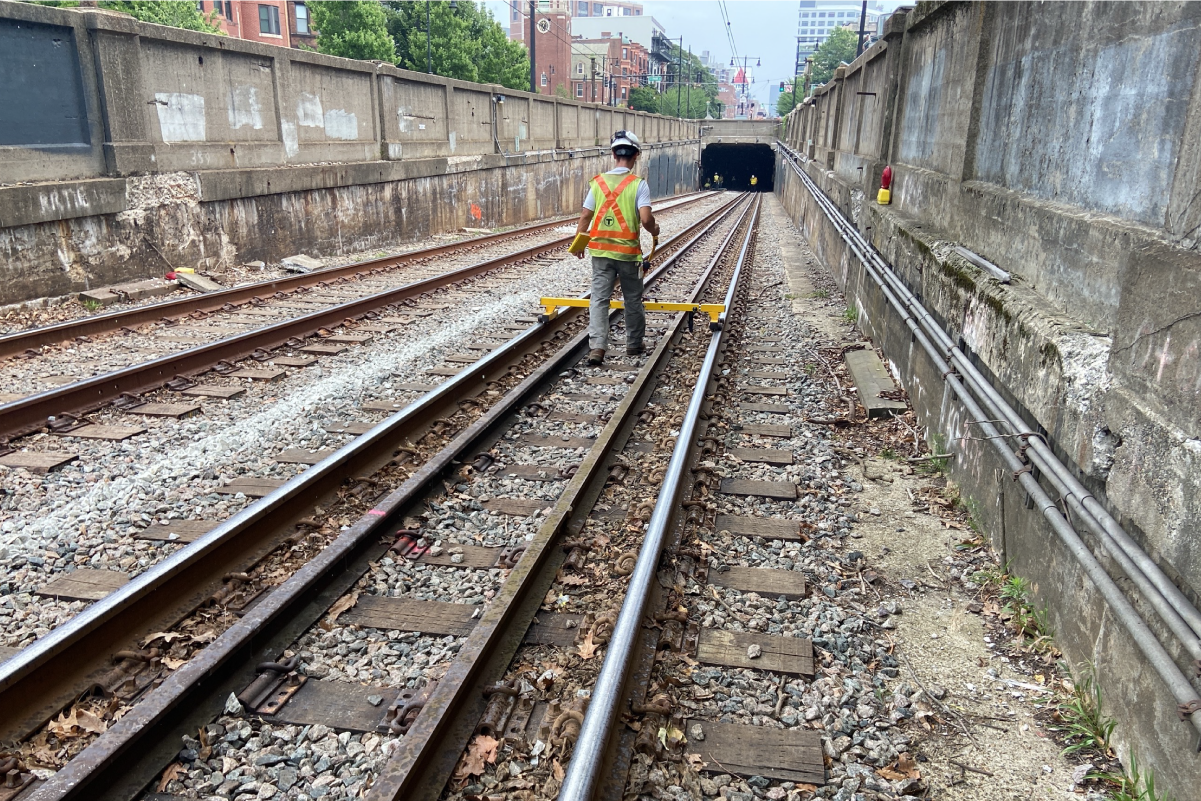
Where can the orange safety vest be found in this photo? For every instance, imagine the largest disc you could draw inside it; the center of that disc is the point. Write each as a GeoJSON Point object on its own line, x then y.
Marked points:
{"type": "Point", "coordinates": [614, 230]}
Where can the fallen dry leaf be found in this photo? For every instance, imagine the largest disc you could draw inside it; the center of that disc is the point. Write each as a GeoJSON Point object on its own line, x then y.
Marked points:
{"type": "Point", "coordinates": [557, 770]}
{"type": "Point", "coordinates": [587, 648]}
{"type": "Point", "coordinates": [343, 603]}
{"type": "Point", "coordinates": [90, 722]}
{"type": "Point", "coordinates": [165, 636]}
{"type": "Point", "coordinates": [481, 751]}
{"type": "Point", "coordinates": [696, 762]}
{"type": "Point", "coordinates": [572, 580]}
{"type": "Point", "coordinates": [174, 664]}
{"type": "Point", "coordinates": [169, 775]}
{"type": "Point", "coordinates": [906, 765]}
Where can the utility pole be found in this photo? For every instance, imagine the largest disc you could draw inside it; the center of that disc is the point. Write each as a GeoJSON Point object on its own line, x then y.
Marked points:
{"type": "Point", "coordinates": [862, 26]}
{"type": "Point", "coordinates": [533, 59]}
{"type": "Point", "coordinates": [689, 103]}
{"type": "Point", "coordinates": [796, 70]}
{"type": "Point", "coordinates": [593, 60]}
{"type": "Point", "coordinates": [429, 61]}
{"type": "Point", "coordinates": [679, 64]}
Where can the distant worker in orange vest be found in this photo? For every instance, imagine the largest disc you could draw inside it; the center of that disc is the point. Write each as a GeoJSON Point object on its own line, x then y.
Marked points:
{"type": "Point", "coordinates": [618, 203]}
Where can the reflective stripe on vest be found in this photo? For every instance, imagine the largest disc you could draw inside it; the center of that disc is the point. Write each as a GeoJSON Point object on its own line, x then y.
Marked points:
{"type": "Point", "coordinates": [616, 201]}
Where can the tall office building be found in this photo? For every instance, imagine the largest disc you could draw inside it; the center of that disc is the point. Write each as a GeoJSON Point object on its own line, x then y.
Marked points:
{"type": "Point", "coordinates": [818, 18]}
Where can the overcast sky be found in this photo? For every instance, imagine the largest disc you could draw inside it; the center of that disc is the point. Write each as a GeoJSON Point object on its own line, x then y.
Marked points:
{"type": "Point", "coordinates": [761, 29]}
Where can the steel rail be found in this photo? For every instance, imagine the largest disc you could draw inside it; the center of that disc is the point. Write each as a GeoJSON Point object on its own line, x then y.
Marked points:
{"type": "Point", "coordinates": [106, 762]}
{"type": "Point", "coordinates": [22, 341]}
{"type": "Point", "coordinates": [970, 385]}
{"type": "Point", "coordinates": [587, 756]}
{"type": "Point", "coordinates": [29, 414]}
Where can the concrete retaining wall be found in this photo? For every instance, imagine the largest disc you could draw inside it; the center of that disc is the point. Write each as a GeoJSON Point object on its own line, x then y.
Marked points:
{"type": "Point", "coordinates": [126, 148]}
{"type": "Point", "coordinates": [1061, 142]}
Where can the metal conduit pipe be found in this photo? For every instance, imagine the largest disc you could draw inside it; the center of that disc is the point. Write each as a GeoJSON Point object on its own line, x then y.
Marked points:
{"type": "Point", "coordinates": [584, 768]}
{"type": "Point", "coordinates": [1164, 596]}
{"type": "Point", "coordinates": [1125, 612]}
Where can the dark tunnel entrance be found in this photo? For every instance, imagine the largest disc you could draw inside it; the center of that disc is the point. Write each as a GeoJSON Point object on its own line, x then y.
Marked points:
{"type": "Point", "coordinates": [736, 164]}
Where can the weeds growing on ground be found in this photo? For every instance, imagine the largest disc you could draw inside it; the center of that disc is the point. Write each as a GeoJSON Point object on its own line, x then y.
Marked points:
{"type": "Point", "coordinates": [1080, 718]}
{"type": "Point", "coordinates": [888, 453]}
{"type": "Point", "coordinates": [820, 293]}
{"type": "Point", "coordinates": [1134, 785]}
{"type": "Point", "coordinates": [935, 467]}
{"type": "Point", "coordinates": [1017, 593]}
{"type": "Point", "coordinates": [851, 314]}
{"type": "Point", "coordinates": [91, 305]}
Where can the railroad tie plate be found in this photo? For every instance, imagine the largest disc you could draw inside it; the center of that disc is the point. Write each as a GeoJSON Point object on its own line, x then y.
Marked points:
{"type": "Point", "coordinates": [114, 433]}
{"type": "Point", "coordinates": [485, 346]}
{"type": "Point", "coordinates": [762, 455]}
{"type": "Point", "coordinates": [408, 313]}
{"type": "Point", "coordinates": [769, 408]}
{"type": "Point", "coordinates": [176, 531]}
{"type": "Point", "coordinates": [791, 655]}
{"type": "Point", "coordinates": [84, 584]}
{"type": "Point", "coordinates": [768, 360]}
{"type": "Point", "coordinates": [303, 456]}
{"type": "Point", "coordinates": [37, 463]}
{"type": "Point", "coordinates": [773, 528]}
{"type": "Point", "coordinates": [175, 410]}
{"type": "Point", "coordinates": [767, 582]}
{"type": "Point", "coordinates": [323, 350]}
{"type": "Point", "coordinates": [766, 430]}
{"type": "Point", "coordinates": [793, 755]}
{"type": "Point", "coordinates": [349, 339]}
{"type": "Point", "coordinates": [405, 614]}
{"type": "Point", "coordinates": [761, 390]}
{"type": "Point", "coordinates": [463, 358]}
{"type": "Point", "coordinates": [379, 328]}
{"type": "Point", "coordinates": [354, 429]}
{"type": "Point", "coordinates": [251, 487]}
{"type": "Point", "coordinates": [779, 490]}
{"type": "Point", "coordinates": [214, 391]}
{"type": "Point", "coordinates": [444, 371]}
{"type": "Point", "coordinates": [292, 361]}
{"type": "Point", "coordinates": [761, 375]}
{"type": "Point", "coordinates": [413, 386]}
{"type": "Point", "coordinates": [384, 406]}
{"type": "Point", "coordinates": [341, 705]}
{"type": "Point", "coordinates": [258, 375]}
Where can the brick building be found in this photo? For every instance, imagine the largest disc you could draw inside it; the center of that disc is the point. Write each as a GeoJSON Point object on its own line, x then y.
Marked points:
{"type": "Point", "coordinates": [278, 22]}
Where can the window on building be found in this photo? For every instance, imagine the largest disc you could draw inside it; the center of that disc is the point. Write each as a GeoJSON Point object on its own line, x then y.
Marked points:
{"type": "Point", "coordinates": [302, 18]}
{"type": "Point", "coordinates": [200, 6]}
{"type": "Point", "coordinates": [579, 90]}
{"type": "Point", "coordinates": [625, 70]}
{"type": "Point", "coordinates": [625, 53]}
{"type": "Point", "coordinates": [269, 20]}
{"type": "Point", "coordinates": [514, 15]}
{"type": "Point", "coordinates": [229, 9]}
{"type": "Point", "coordinates": [623, 92]}
{"type": "Point", "coordinates": [597, 9]}
{"type": "Point", "coordinates": [544, 79]}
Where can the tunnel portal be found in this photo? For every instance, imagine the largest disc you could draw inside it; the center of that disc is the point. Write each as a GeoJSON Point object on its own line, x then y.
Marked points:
{"type": "Point", "coordinates": [736, 163]}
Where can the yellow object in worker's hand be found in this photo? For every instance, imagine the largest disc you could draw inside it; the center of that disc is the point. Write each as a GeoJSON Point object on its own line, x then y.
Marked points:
{"type": "Point", "coordinates": [884, 197]}
{"type": "Point", "coordinates": [579, 244]}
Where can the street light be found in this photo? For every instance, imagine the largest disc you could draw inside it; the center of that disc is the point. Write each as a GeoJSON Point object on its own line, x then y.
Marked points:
{"type": "Point", "coordinates": [429, 60]}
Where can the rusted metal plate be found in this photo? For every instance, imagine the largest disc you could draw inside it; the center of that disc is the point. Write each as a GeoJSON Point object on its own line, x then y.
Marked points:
{"type": "Point", "coordinates": [768, 360]}
{"type": "Point", "coordinates": [474, 556]}
{"type": "Point", "coordinates": [293, 361]}
{"type": "Point", "coordinates": [759, 390]}
{"type": "Point", "coordinates": [781, 490]}
{"type": "Point", "coordinates": [767, 582]}
{"type": "Point", "coordinates": [411, 386]}
{"type": "Point", "coordinates": [176, 410]}
{"type": "Point", "coordinates": [379, 328]}
{"type": "Point", "coordinates": [115, 433]}
{"type": "Point", "coordinates": [251, 487]}
{"type": "Point", "coordinates": [766, 430]}
{"type": "Point", "coordinates": [518, 507]}
{"type": "Point", "coordinates": [603, 381]}
{"type": "Point", "coordinates": [384, 406]}
{"type": "Point", "coordinates": [40, 463]}
{"type": "Point", "coordinates": [772, 528]}
{"type": "Point", "coordinates": [406, 614]}
{"type": "Point", "coordinates": [259, 375]}
{"type": "Point", "coordinates": [337, 704]}
{"type": "Point", "coordinates": [323, 350]}
{"type": "Point", "coordinates": [446, 371]}
{"type": "Point", "coordinates": [793, 755]}
{"type": "Point", "coordinates": [792, 655]}
{"type": "Point", "coordinates": [571, 417]}
{"type": "Point", "coordinates": [770, 408]}
{"type": "Point", "coordinates": [84, 584]}
{"type": "Point", "coordinates": [543, 441]}
{"type": "Point", "coordinates": [176, 531]}
{"type": "Point", "coordinates": [871, 378]}
{"type": "Point", "coordinates": [762, 455]}
{"type": "Point", "coordinates": [354, 429]}
{"type": "Point", "coordinates": [760, 375]}
{"type": "Point", "coordinates": [349, 339]}
{"type": "Point", "coordinates": [765, 349]}
{"type": "Point", "coordinates": [214, 391]}
{"type": "Point", "coordinates": [532, 472]}
{"type": "Point", "coordinates": [553, 628]}
{"type": "Point", "coordinates": [302, 456]}
{"type": "Point", "coordinates": [463, 358]}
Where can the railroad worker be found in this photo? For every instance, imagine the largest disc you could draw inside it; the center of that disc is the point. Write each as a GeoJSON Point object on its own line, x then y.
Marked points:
{"type": "Point", "coordinates": [754, 180]}
{"type": "Point", "coordinates": [717, 180]}
{"type": "Point", "coordinates": [617, 206]}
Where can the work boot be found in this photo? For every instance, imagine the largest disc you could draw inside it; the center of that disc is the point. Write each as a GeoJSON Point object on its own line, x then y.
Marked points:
{"type": "Point", "coordinates": [635, 350]}
{"type": "Point", "coordinates": [596, 356]}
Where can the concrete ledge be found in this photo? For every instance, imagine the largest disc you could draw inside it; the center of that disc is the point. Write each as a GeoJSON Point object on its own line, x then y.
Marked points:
{"type": "Point", "coordinates": [35, 203]}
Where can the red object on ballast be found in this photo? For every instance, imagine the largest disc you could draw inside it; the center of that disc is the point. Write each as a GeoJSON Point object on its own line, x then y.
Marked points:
{"type": "Point", "coordinates": [884, 196]}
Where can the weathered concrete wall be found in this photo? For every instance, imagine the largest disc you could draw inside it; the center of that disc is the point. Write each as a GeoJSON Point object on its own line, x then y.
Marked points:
{"type": "Point", "coordinates": [156, 146]}
{"type": "Point", "coordinates": [1061, 142]}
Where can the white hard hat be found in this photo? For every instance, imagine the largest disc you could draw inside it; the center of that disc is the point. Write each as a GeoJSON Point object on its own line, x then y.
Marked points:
{"type": "Point", "coordinates": [625, 140]}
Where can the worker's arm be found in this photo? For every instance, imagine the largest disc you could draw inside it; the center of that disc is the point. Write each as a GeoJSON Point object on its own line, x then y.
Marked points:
{"type": "Point", "coordinates": [581, 227]}
{"type": "Point", "coordinates": [648, 220]}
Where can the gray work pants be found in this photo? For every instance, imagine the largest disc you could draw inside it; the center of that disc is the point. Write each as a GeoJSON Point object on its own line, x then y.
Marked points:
{"type": "Point", "coordinates": [605, 274]}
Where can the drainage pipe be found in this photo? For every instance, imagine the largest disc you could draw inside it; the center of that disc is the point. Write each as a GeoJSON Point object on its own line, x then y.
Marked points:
{"type": "Point", "coordinates": [588, 754]}
{"type": "Point", "coordinates": [1125, 612]}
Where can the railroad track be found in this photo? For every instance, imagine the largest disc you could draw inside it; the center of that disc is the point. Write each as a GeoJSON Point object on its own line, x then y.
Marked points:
{"type": "Point", "coordinates": [306, 316]}
{"type": "Point", "coordinates": [79, 655]}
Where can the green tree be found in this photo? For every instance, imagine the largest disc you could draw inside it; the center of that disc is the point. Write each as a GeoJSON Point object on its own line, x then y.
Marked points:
{"type": "Point", "coordinates": [839, 47]}
{"type": "Point", "coordinates": [644, 98]}
{"type": "Point", "coordinates": [352, 29]}
{"type": "Point", "coordinates": [691, 72]}
{"type": "Point", "coordinates": [176, 13]}
{"type": "Point", "coordinates": [465, 42]}
{"type": "Point", "coordinates": [784, 102]}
